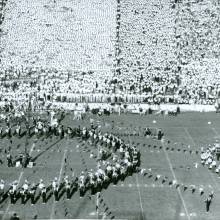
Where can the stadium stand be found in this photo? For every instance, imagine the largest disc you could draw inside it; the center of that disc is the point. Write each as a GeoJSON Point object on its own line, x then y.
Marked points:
{"type": "Point", "coordinates": [172, 59]}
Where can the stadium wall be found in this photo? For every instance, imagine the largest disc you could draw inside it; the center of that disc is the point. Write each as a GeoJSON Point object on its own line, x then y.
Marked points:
{"type": "Point", "coordinates": [134, 108]}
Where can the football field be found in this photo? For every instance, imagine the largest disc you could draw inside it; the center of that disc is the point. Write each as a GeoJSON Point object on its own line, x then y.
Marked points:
{"type": "Point", "coordinates": [151, 196]}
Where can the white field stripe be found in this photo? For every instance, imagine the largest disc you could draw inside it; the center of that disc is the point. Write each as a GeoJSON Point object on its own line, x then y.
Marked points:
{"type": "Point", "coordinates": [138, 187]}
{"type": "Point", "coordinates": [174, 176]}
{"type": "Point", "coordinates": [190, 137]}
{"type": "Point", "coordinates": [97, 196]}
{"type": "Point", "coordinates": [19, 180]}
{"type": "Point", "coordinates": [193, 142]}
{"type": "Point", "coordinates": [214, 130]}
{"type": "Point", "coordinates": [59, 179]}
{"type": "Point", "coordinates": [140, 198]}
{"type": "Point", "coordinates": [152, 185]}
{"type": "Point", "coordinates": [11, 212]}
{"type": "Point", "coordinates": [32, 148]}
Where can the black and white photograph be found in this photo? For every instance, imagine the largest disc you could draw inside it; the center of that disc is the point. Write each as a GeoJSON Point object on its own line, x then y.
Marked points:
{"type": "Point", "coordinates": [109, 109]}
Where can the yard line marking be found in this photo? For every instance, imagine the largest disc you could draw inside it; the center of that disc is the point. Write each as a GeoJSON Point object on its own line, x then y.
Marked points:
{"type": "Point", "coordinates": [140, 198]}
{"type": "Point", "coordinates": [98, 194]}
{"type": "Point", "coordinates": [214, 130]}
{"type": "Point", "coordinates": [59, 179]}
{"type": "Point", "coordinates": [11, 212]}
{"type": "Point", "coordinates": [32, 148]}
{"type": "Point", "coordinates": [19, 180]}
{"type": "Point", "coordinates": [142, 186]}
{"type": "Point", "coordinates": [190, 137]}
{"type": "Point", "coordinates": [138, 187]}
{"type": "Point", "coordinates": [174, 176]}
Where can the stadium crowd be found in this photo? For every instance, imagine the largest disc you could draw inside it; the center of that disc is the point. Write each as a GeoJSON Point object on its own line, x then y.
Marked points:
{"type": "Point", "coordinates": [159, 66]}
{"type": "Point", "coordinates": [175, 58]}
{"type": "Point", "coordinates": [86, 88]}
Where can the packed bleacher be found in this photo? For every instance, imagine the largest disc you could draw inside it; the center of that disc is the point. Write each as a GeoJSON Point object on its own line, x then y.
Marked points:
{"type": "Point", "coordinates": [171, 48]}
{"type": "Point", "coordinates": [165, 52]}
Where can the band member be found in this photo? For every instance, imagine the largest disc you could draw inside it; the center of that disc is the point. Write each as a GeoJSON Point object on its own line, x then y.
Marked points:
{"type": "Point", "coordinates": [26, 160]}
{"type": "Point", "coordinates": [123, 173]}
{"type": "Point", "coordinates": [2, 190]}
{"type": "Point", "coordinates": [66, 179]}
{"type": "Point", "coordinates": [8, 131]}
{"type": "Point", "coordinates": [56, 192]}
{"type": "Point", "coordinates": [106, 180]}
{"type": "Point", "coordinates": [62, 135]}
{"type": "Point", "coordinates": [1, 132]}
{"type": "Point", "coordinates": [18, 130]}
{"type": "Point", "coordinates": [13, 193]}
{"type": "Point", "coordinates": [20, 158]}
{"type": "Point", "coordinates": [36, 130]}
{"type": "Point", "coordinates": [84, 131]}
{"type": "Point", "coordinates": [54, 183]}
{"type": "Point", "coordinates": [82, 184]}
{"type": "Point", "coordinates": [98, 178]}
{"type": "Point", "coordinates": [92, 183]}
{"type": "Point", "coordinates": [68, 193]}
{"type": "Point", "coordinates": [160, 134]}
{"type": "Point", "coordinates": [24, 191]}
{"type": "Point", "coordinates": [32, 193]}
{"type": "Point", "coordinates": [55, 188]}
{"type": "Point", "coordinates": [29, 131]}
{"type": "Point", "coordinates": [109, 170]}
{"type": "Point", "coordinates": [130, 167]}
{"type": "Point", "coordinates": [9, 160]}
{"type": "Point", "coordinates": [114, 176]}
{"type": "Point", "coordinates": [41, 186]}
{"type": "Point", "coordinates": [208, 202]}
{"type": "Point", "coordinates": [44, 194]}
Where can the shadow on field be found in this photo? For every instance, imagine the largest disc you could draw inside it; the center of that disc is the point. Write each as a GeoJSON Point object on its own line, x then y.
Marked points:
{"type": "Point", "coordinates": [48, 148]}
